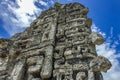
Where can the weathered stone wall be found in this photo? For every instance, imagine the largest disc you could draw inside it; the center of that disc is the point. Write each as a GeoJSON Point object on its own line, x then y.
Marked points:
{"type": "Point", "coordinates": [58, 45]}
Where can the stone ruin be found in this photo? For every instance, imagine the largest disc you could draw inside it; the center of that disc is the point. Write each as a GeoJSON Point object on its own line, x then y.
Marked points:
{"type": "Point", "coordinates": [58, 45]}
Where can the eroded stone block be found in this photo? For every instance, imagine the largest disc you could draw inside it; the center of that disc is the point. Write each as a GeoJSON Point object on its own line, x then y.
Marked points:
{"type": "Point", "coordinates": [18, 71]}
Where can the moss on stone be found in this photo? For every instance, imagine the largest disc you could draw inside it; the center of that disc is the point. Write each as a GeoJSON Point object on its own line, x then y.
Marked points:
{"type": "Point", "coordinates": [57, 4]}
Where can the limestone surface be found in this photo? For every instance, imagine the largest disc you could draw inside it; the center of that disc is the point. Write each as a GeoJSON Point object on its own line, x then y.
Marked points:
{"type": "Point", "coordinates": [58, 45]}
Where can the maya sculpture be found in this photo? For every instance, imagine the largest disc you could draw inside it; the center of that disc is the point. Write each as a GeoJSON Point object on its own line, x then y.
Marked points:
{"type": "Point", "coordinates": [58, 45]}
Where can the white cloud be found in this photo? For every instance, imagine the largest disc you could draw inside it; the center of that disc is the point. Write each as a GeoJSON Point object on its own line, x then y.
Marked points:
{"type": "Point", "coordinates": [96, 29]}
{"type": "Point", "coordinates": [19, 14]}
{"type": "Point", "coordinates": [43, 3]}
{"type": "Point", "coordinates": [25, 7]}
{"type": "Point", "coordinates": [110, 52]}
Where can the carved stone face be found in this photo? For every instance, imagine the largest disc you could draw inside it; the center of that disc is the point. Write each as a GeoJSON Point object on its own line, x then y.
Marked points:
{"type": "Point", "coordinates": [96, 38]}
{"type": "Point", "coordinates": [100, 63]}
{"type": "Point", "coordinates": [105, 65]}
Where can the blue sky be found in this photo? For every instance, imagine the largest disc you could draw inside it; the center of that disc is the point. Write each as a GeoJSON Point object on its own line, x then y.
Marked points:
{"type": "Point", "coordinates": [16, 15]}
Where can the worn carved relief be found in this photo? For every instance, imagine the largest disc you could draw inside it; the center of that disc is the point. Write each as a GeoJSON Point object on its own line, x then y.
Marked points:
{"type": "Point", "coordinates": [58, 45]}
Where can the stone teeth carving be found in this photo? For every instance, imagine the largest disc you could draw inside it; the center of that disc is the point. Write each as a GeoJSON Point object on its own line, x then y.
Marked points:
{"type": "Point", "coordinates": [58, 45]}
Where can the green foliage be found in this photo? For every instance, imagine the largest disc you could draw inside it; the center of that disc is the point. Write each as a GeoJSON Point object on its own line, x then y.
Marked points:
{"type": "Point", "coordinates": [57, 4]}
